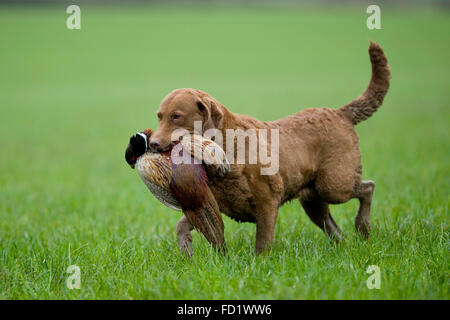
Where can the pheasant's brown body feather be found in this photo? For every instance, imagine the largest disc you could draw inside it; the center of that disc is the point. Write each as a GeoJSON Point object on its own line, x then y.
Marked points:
{"type": "Point", "coordinates": [156, 171]}
{"type": "Point", "coordinates": [189, 186]}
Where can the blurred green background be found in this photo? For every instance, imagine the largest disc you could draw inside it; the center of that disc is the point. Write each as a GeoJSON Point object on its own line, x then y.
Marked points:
{"type": "Point", "coordinates": [70, 99]}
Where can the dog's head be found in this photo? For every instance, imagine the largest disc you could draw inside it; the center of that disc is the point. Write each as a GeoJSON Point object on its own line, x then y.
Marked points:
{"type": "Point", "coordinates": [179, 110]}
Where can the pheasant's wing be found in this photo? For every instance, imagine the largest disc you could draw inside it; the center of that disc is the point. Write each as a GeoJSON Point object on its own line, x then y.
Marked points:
{"type": "Point", "coordinates": [163, 195]}
{"type": "Point", "coordinates": [207, 152]}
{"type": "Point", "coordinates": [189, 186]}
{"type": "Point", "coordinates": [156, 170]}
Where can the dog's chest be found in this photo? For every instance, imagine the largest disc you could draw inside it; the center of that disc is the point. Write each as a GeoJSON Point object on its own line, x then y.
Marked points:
{"type": "Point", "coordinates": [234, 198]}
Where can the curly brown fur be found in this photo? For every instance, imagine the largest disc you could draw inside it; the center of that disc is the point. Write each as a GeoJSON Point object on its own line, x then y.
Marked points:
{"type": "Point", "coordinates": [365, 105]}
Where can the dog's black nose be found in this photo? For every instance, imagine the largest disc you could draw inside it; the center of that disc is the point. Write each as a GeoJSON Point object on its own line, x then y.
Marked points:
{"type": "Point", "coordinates": [154, 144]}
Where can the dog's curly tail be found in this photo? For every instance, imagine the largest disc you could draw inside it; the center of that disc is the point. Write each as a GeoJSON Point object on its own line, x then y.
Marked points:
{"type": "Point", "coordinates": [366, 104]}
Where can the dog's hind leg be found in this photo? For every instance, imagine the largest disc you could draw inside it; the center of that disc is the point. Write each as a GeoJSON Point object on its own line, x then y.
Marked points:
{"type": "Point", "coordinates": [364, 193]}
{"type": "Point", "coordinates": [318, 211]}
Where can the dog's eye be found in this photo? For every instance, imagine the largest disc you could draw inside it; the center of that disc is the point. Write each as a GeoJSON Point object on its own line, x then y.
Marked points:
{"type": "Point", "coordinates": [175, 116]}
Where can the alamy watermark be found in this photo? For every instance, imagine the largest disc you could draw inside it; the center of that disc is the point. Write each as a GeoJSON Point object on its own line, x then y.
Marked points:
{"type": "Point", "coordinates": [74, 20]}
{"type": "Point", "coordinates": [374, 280]}
{"type": "Point", "coordinates": [374, 20]}
{"type": "Point", "coordinates": [252, 146]}
{"type": "Point", "coordinates": [74, 280]}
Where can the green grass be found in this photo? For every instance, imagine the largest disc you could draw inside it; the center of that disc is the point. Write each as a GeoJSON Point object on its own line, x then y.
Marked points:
{"type": "Point", "coordinates": [69, 100]}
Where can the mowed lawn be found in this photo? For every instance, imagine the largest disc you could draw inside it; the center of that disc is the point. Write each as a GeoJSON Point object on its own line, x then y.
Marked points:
{"type": "Point", "coordinates": [69, 100]}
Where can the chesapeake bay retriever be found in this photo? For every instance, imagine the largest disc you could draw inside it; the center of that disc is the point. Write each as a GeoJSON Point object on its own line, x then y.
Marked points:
{"type": "Point", "coordinates": [319, 157]}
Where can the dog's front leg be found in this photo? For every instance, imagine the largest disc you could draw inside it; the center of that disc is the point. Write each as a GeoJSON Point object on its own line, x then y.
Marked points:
{"type": "Point", "coordinates": [265, 228]}
{"type": "Point", "coordinates": [184, 236]}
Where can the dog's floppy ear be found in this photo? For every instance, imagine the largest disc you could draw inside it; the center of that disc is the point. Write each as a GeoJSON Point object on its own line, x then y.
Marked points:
{"type": "Point", "coordinates": [212, 114]}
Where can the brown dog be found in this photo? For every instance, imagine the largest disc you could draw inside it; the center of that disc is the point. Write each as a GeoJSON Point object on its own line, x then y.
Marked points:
{"type": "Point", "coordinates": [319, 157]}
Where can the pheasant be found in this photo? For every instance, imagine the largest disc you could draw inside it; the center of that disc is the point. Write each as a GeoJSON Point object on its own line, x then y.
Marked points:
{"type": "Point", "coordinates": [178, 178]}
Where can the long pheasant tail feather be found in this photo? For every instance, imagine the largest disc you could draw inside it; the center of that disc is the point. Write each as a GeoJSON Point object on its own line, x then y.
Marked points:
{"type": "Point", "coordinates": [204, 221]}
{"type": "Point", "coordinates": [189, 186]}
{"type": "Point", "coordinates": [214, 220]}
{"type": "Point", "coordinates": [208, 220]}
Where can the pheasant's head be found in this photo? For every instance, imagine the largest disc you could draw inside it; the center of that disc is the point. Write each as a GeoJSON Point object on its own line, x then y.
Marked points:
{"type": "Point", "coordinates": [137, 147]}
